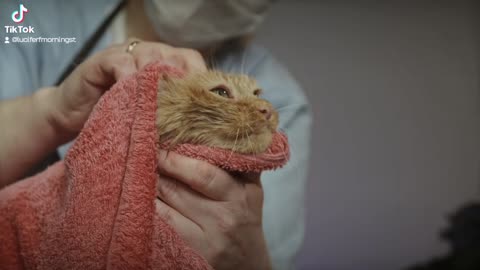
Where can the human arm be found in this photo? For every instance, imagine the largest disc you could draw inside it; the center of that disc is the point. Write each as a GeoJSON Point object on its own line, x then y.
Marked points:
{"type": "Point", "coordinates": [34, 125]}
{"type": "Point", "coordinates": [28, 133]}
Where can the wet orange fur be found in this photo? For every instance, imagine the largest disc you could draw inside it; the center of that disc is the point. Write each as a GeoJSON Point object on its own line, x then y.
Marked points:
{"type": "Point", "coordinates": [189, 112]}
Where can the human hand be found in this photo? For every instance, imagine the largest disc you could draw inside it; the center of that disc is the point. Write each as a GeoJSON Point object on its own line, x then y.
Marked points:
{"type": "Point", "coordinates": [75, 98]}
{"type": "Point", "coordinates": [217, 214]}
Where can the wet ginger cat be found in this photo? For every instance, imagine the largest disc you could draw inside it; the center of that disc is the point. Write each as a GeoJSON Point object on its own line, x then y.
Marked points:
{"type": "Point", "coordinates": [215, 109]}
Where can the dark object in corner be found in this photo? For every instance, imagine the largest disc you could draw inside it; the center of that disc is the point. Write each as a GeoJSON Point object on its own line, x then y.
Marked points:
{"type": "Point", "coordinates": [463, 235]}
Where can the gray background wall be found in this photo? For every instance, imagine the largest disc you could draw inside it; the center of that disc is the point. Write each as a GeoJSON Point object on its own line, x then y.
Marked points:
{"type": "Point", "coordinates": [394, 87]}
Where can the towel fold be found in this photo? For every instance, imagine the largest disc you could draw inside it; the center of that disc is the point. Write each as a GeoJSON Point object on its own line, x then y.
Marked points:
{"type": "Point", "coordinates": [96, 209]}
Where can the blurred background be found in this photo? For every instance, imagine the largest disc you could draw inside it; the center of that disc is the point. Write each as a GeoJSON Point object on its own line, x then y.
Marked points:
{"type": "Point", "coordinates": [395, 90]}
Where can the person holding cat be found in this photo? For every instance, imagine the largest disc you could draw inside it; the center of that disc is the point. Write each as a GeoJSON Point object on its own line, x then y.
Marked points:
{"type": "Point", "coordinates": [255, 226]}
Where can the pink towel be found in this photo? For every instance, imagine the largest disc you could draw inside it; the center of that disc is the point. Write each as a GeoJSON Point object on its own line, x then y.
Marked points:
{"type": "Point", "coordinates": [96, 209]}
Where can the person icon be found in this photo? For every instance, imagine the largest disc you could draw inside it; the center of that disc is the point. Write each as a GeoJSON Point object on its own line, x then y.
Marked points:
{"type": "Point", "coordinates": [7, 40]}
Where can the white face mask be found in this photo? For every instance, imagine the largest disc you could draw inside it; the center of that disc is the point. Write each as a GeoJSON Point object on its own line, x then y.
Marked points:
{"type": "Point", "coordinates": [201, 23]}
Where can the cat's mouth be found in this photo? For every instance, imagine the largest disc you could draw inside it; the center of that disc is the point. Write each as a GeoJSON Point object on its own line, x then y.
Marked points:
{"type": "Point", "coordinates": [256, 138]}
{"type": "Point", "coordinates": [250, 142]}
{"type": "Point", "coordinates": [246, 146]}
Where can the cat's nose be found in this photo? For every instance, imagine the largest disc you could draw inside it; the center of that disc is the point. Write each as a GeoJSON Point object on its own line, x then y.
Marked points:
{"type": "Point", "coordinates": [265, 111]}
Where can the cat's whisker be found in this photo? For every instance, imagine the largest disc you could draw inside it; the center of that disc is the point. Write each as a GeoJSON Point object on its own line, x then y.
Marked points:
{"type": "Point", "coordinates": [287, 106]}
{"type": "Point", "coordinates": [248, 114]}
{"type": "Point", "coordinates": [213, 63]}
{"type": "Point", "coordinates": [234, 146]}
{"type": "Point", "coordinates": [251, 148]}
{"type": "Point", "coordinates": [210, 61]}
{"type": "Point", "coordinates": [250, 127]}
{"type": "Point", "coordinates": [283, 152]}
{"type": "Point", "coordinates": [242, 63]}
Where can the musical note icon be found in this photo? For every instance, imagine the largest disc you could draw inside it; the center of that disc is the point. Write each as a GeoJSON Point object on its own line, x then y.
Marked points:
{"type": "Point", "coordinates": [17, 15]}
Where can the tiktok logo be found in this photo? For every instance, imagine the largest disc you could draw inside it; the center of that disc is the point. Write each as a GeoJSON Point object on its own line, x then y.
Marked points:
{"type": "Point", "coordinates": [18, 15]}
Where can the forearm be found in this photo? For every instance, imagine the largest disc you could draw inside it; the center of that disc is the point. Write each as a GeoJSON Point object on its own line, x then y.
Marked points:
{"type": "Point", "coordinates": [28, 133]}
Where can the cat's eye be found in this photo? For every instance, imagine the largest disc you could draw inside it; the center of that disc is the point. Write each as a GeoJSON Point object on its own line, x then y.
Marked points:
{"type": "Point", "coordinates": [257, 92]}
{"type": "Point", "coordinates": [221, 91]}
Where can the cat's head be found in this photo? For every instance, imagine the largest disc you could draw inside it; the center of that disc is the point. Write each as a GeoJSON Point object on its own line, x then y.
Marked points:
{"type": "Point", "coordinates": [215, 109]}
